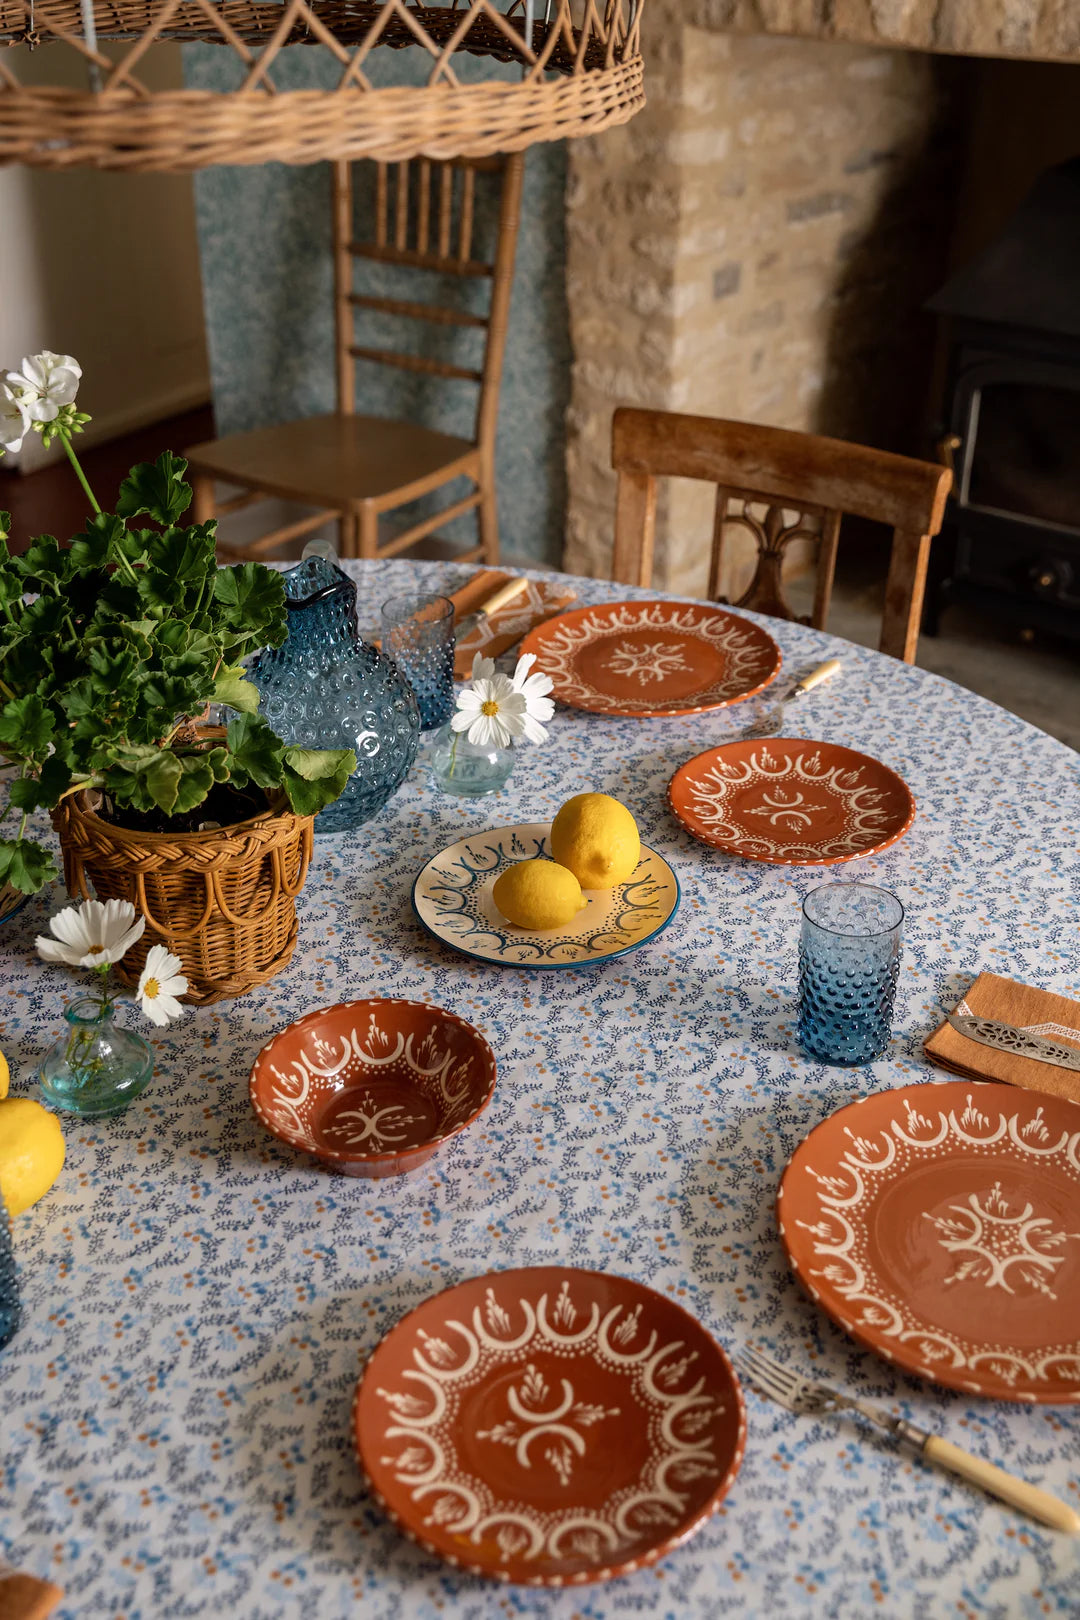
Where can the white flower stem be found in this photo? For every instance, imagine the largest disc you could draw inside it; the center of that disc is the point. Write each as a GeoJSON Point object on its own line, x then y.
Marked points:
{"type": "Point", "coordinates": [73, 458]}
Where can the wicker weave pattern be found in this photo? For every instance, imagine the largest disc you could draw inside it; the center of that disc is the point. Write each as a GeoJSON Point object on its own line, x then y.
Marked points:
{"type": "Point", "coordinates": [223, 901]}
{"type": "Point", "coordinates": [579, 77]}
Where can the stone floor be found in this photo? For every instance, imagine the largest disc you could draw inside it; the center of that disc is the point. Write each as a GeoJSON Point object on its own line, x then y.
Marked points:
{"type": "Point", "coordinates": [1038, 680]}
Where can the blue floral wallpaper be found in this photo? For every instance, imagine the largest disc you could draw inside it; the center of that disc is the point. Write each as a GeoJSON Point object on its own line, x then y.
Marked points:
{"type": "Point", "coordinates": [265, 246]}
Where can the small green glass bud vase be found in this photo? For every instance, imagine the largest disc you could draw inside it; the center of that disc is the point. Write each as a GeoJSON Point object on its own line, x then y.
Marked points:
{"type": "Point", "coordinates": [96, 1066]}
{"type": "Point", "coordinates": [468, 769]}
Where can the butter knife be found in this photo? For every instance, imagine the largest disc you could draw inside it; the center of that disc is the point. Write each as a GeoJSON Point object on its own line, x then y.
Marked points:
{"type": "Point", "coordinates": [1007, 1038]}
{"type": "Point", "coordinates": [504, 594]}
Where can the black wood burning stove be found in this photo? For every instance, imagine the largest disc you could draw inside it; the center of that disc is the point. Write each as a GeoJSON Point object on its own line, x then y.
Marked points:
{"type": "Point", "coordinates": [1012, 536]}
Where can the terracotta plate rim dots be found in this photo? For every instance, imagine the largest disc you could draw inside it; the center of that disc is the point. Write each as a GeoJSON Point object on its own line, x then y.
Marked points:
{"type": "Point", "coordinates": [962, 1113]}
{"type": "Point", "coordinates": [747, 843]}
{"type": "Point", "coordinates": [534, 1282]}
{"type": "Point", "coordinates": [544, 641]}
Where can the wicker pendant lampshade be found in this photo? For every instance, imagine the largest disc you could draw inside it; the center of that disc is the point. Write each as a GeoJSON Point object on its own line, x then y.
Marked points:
{"type": "Point", "coordinates": [580, 63]}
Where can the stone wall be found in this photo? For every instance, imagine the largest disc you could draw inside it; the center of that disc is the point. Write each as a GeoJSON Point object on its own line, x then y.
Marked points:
{"type": "Point", "coordinates": [759, 241]}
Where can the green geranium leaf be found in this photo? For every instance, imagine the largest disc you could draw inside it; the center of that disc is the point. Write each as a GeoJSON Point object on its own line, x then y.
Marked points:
{"type": "Point", "coordinates": [28, 792]}
{"type": "Point", "coordinates": [25, 865]}
{"type": "Point", "coordinates": [315, 777]}
{"type": "Point", "coordinates": [255, 753]}
{"type": "Point", "coordinates": [196, 780]}
{"type": "Point", "coordinates": [43, 564]}
{"type": "Point", "coordinates": [251, 599]}
{"type": "Point", "coordinates": [26, 727]}
{"type": "Point", "coordinates": [5, 528]}
{"type": "Point", "coordinates": [234, 691]}
{"type": "Point", "coordinates": [156, 488]}
{"type": "Point", "coordinates": [92, 548]}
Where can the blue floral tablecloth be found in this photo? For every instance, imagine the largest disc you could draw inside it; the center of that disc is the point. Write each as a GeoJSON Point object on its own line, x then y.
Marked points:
{"type": "Point", "coordinates": [174, 1412]}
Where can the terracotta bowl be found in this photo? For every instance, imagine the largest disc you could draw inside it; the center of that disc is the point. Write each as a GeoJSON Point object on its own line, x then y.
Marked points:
{"type": "Point", "coordinates": [372, 1088]}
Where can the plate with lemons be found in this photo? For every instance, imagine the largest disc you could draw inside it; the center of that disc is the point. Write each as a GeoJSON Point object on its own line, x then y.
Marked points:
{"type": "Point", "coordinates": [573, 892]}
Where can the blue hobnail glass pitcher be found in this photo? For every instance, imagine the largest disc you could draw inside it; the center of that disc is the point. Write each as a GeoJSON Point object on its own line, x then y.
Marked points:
{"type": "Point", "coordinates": [325, 688]}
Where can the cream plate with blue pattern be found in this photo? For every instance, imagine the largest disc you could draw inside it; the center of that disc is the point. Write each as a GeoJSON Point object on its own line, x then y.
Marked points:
{"type": "Point", "coordinates": [452, 898]}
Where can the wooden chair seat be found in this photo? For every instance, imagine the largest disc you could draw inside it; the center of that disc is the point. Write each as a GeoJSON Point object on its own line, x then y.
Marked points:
{"type": "Point", "coordinates": [337, 461]}
{"type": "Point", "coordinates": [356, 469]}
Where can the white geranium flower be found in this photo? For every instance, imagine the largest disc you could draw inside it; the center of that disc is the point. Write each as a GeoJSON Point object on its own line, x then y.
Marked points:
{"type": "Point", "coordinates": [46, 382]}
{"type": "Point", "coordinates": [91, 935]}
{"type": "Point", "coordinates": [14, 419]}
{"type": "Point", "coordinates": [160, 984]}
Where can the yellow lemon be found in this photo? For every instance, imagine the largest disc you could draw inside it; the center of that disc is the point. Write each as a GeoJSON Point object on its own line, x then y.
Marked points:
{"type": "Point", "coordinates": [5, 1076]}
{"type": "Point", "coordinates": [537, 894]}
{"type": "Point", "coordinates": [31, 1152]}
{"type": "Point", "coordinates": [596, 838]}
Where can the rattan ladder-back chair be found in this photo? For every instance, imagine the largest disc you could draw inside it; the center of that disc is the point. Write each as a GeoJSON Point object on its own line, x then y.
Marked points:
{"type": "Point", "coordinates": [806, 484]}
{"type": "Point", "coordinates": [358, 468]}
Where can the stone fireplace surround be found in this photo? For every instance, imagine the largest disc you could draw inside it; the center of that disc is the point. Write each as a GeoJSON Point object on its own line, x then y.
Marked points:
{"type": "Point", "coordinates": [759, 241]}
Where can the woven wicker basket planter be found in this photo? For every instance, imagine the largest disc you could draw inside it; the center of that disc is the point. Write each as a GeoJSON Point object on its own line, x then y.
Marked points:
{"type": "Point", "coordinates": [224, 902]}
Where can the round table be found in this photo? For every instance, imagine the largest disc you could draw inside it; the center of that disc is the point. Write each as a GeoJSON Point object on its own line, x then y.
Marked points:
{"type": "Point", "coordinates": [199, 1299]}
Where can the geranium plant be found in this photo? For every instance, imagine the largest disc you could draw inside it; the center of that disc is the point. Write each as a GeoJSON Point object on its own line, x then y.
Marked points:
{"type": "Point", "coordinates": [113, 648]}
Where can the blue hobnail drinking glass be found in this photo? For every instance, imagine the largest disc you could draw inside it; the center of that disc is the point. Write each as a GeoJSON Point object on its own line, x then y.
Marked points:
{"type": "Point", "coordinates": [418, 633]}
{"type": "Point", "coordinates": [325, 688]}
{"type": "Point", "coordinates": [849, 959]}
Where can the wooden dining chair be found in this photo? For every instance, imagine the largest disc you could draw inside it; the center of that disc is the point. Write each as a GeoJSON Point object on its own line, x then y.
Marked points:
{"type": "Point", "coordinates": [357, 468]}
{"type": "Point", "coordinates": [804, 483]}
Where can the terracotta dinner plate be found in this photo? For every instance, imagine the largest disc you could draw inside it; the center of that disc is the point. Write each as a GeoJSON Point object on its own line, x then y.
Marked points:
{"type": "Point", "coordinates": [940, 1226]}
{"type": "Point", "coordinates": [453, 900]}
{"type": "Point", "coordinates": [791, 802]}
{"type": "Point", "coordinates": [549, 1426]}
{"type": "Point", "coordinates": [650, 659]}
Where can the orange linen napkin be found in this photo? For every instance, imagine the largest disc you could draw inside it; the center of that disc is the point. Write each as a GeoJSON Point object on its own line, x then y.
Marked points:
{"type": "Point", "coordinates": [540, 600]}
{"type": "Point", "coordinates": [1040, 1012]}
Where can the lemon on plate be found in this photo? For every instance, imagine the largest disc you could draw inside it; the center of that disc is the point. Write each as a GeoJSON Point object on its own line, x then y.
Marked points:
{"type": "Point", "coordinates": [537, 894]}
{"type": "Point", "coordinates": [596, 838]}
{"type": "Point", "coordinates": [31, 1152]}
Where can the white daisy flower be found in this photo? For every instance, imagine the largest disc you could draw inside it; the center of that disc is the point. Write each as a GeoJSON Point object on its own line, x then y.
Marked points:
{"type": "Point", "coordinates": [91, 935]}
{"type": "Point", "coordinates": [534, 689]}
{"type": "Point", "coordinates": [160, 984]}
{"type": "Point", "coordinates": [497, 709]}
{"type": "Point", "coordinates": [46, 382]}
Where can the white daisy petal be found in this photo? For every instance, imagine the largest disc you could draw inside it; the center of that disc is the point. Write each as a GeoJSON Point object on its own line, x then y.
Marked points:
{"type": "Point", "coordinates": [482, 668]}
{"type": "Point", "coordinates": [524, 664]}
{"type": "Point", "coordinates": [51, 950]}
{"type": "Point", "coordinates": [463, 719]}
{"type": "Point", "coordinates": [533, 729]}
{"type": "Point", "coordinates": [159, 985]}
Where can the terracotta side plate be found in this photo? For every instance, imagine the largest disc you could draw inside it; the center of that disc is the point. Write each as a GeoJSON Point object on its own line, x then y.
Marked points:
{"type": "Point", "coordinates": [452, 899]}
{"type": "Point", "coordinates": [549, 1426]}
{"type": "Point", "coordinates": [372, 1088]}
{"type": "Point", "coordinates": [940, 1226]}
{"type": "Point", "coordinates": [791, 802]}
{"type": "Point", "coordinates": [653, 658]}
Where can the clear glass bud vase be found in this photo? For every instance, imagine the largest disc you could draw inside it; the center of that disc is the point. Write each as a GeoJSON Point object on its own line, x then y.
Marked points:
{"type": "Point", "coordinates": [96, 1066]}
{"type": "Point", "coordinates": [468, 769]}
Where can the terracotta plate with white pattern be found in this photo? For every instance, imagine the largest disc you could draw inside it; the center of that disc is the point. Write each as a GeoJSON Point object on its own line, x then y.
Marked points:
{"type": "Point", "coordinates": [940, 1226]}
{"type": "Point", "coordinates": [791, 802]}
{"type": "Point", "coordinates": [550, 1426]}
{"type": "Point", "coordinates": [649, 659]}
